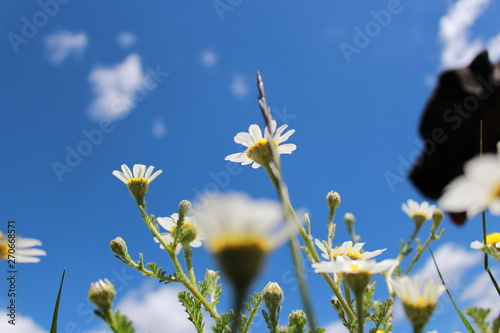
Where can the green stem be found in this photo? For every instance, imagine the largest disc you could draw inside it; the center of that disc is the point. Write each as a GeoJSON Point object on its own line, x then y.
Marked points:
{"type": "Point", "coordinates": [404, 249]}
{"type": "Point", "coordinates": [360, 312]}
{"type": "Point", "coordinates": [290, 212]}
{"type": "Point", "coordinates": [189, 264]}
{"type": "Point", "coordinates": [182, 276]}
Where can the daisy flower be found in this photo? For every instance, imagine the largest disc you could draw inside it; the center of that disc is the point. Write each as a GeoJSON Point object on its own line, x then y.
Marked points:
{"type": "Point", "coordinates": [477, 189]}
{"type": "Point", "coordinates": [419, 301]}
{"type": "Point", "coordinates": [138, 180]}
{"type": "Point", "coordinates": [20, 249]}
{"type": "Point", "coordinates": [240, 231]}
{"type": "Point", "coordinates": [192, 235]}
{"type": "Point", "coordinates": [492, 239]}
{"type": "Point", "coordinates": [258, 151]}
{"type": "Point", "coordinates": [346, 249]}
{"type": "Point", "coordinates": [419, 213]}
{"type": "Point", "coordinates": [344, 264]}
{"type": "Point", "coordinates": [357, 273]}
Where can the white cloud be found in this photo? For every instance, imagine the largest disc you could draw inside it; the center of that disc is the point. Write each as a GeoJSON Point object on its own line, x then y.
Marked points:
{"type": "Point", "coordinates": [23, 324]}
{"type": "Point", "coordinates": [336, 327]}
{"type": "Point", "coordinates": [482, 293]}
{"type": "Point", "coordinates": [61, 45]}
{"type": "Point", "coordinates": [208, 58]}
{"type": "Point", "coordinates": [126, 39]}
{"type": "Point", "coordinates": [159, 128]}
{"type": "Point", "coordinates": [239, 85]}
{"type": "Point", "coordinates": [114, 88]}
{"type": "Point", "coordinates": [494, 48]}
{"type": "Point", "coordinates": [156, 309]}
{"type": "Point", "coordinates": [458, 50]}
{"type": "Point", "coordinates": [453, 262]}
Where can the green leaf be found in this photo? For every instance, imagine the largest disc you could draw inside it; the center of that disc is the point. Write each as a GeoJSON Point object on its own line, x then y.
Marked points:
{"type": "Point", "coordinates": [479, 316]}
{"type": "Point", "coordinates": [192, 307]}
{"type": "Point", "coordinates": [53, 327]}
{"type": "Point", "coordinates": [122, 324]}
{"type": "Point", "coordinates": [223, 322]}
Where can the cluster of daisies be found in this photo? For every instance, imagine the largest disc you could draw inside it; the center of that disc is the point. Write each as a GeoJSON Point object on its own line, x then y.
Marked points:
{"type": "Point", "coordinates": [230, 225]}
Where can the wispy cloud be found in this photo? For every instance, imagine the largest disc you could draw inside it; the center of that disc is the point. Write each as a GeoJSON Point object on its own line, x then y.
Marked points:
{"type": "Point", "coordinates": [63, 44]}
{"type": "Point", "coordinates": [23, 324]}
{"type": "Point", "coordinates": [154, 309]}
{"type": "Point", "coordinates": [454, 31]}
{"type": "Point", "coordinates": [336, 327]}
{"type": "Point", "coordinates": [126, 39]}
{"type": "Point", "coordinates": [481, 292]}
{"type": "Point", "coordinates": [159, 128]}
{"type": "Point", "coordinates": [494, 48]}
{"type": "Point", "coordinates": [208, 58]}
{"type": "Point", "coordinates": [239, 85]}
{"type": "Point", "coordinates": [114, 88]}
{"type": "Point", "coordinates": [453, 261]}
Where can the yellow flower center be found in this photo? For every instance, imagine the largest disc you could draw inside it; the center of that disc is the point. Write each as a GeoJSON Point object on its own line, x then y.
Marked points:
{"type": "Point", "coordinates": [189, 231]}
{"type": "Point", "coordinates": [355, 267]}
{"type": "Point", "coordinates": [137, 180]}
{"type": "Point", "coordinates": [493, 238]}
{"type": "Point", "coordinates": [419, 217]}
{"type": "Point", "coordinates": [350, 254]}
{"type": "Point", "coordinates": [496, 192]}
{"type": "Point", "coordinates": [234, 241]}
{"type": "Point", "coordinates": [260, 151]}
{"type": "Point", "coordinates": [4, 250]}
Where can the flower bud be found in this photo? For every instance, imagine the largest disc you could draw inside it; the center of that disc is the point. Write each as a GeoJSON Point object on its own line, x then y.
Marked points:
{"type": "Point", "coordinates": [333, 200]}
{"type": "Point", "coordinates": [297, 318]}
{"type": "Point", "coordinates": [184, 208]}
{"type": "Point", "coordinates": [272, 295]}
{"type": "Point", "coordinates": [119, 247]}
{"type": "Point", "coordinates": [102, 293]}
{"type": "Point", "coordinates": [349, 219]}
{"type": "Point", "coordinates": [437, 217]}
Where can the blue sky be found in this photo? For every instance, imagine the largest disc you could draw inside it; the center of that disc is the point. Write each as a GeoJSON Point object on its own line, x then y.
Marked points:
{"type": "Point", "coordinates": [88, 86]}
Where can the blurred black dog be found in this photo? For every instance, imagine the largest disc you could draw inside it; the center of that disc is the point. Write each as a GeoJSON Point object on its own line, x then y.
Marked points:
{"type": "Point", "coordinates": [450, 125]}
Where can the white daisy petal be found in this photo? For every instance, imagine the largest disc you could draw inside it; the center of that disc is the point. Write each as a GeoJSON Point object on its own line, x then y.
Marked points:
{"type": "Point", "coordinates": [25, 253]}
{"type": "Point", "coordinates": [255, 132]}
{"type": "Point", "coordinates": [477, 189]}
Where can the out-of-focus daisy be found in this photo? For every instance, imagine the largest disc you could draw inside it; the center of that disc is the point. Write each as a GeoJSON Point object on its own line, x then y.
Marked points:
{"type": "Point", "coordinates": [138, 180]}
{"type": "Point", "coordinates": [192, 234]}
{"type": "Point", "coordinates": [20, 249]}
{"type": "Point", "coordinates": [419, 213]}
{"type": "Point", "coordinates": [477, 189]}
{"type": "Point", "coordinates": [258, 151]}
{"type": "Point", "coordinates": [492, 240]}
{"type": "Point", "coordinates": [346, 249]}
{"type": "Point", "coordinates": [357, 273]}
{"type": "Point", "coordinates": [240, 231]}
{"type": "Point", "coordinates": [344, 264]}
{"type": "Point", "coordinates": [419, 300]}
